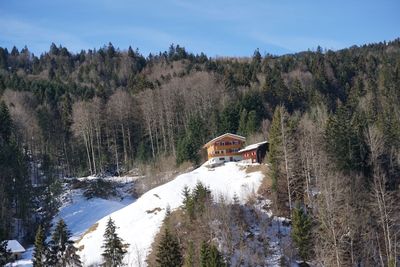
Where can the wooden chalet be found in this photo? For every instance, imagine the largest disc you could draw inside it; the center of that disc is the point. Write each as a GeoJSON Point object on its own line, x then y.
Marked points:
{"type": "Point", "coordinates": [255, 153]}
{"type": "Point", "coordinates": [225, 148]}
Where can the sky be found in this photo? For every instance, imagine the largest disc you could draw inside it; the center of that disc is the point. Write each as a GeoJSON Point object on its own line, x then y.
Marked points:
{"type": "Point", "coordinates": [215, 27]}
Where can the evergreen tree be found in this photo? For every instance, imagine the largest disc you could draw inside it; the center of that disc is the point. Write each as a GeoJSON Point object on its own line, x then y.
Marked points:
{"type": "Point", "coordinates": [189, 259]}
{"type": "Point", "coordinates": [186, 196]}
{"type": "Point", "coordinates": [114, 249]}
{"type": "Point", "coordinates": [301, 233]}
{"type": "Point", "coordinates": [344, 140]}
{"type": "Point", "coordinates": [62, 251]}
{"type": "Point", "coordinates": [5, 123]}
{"type": "Point", "coordinates": [204, 254]}
{"type": "Point", "coordinates": [229, 120]}
{"type": "Point", "coordinates": [215, 258]}
{"type": "Point", "coordinates": [188, 147]}
{"type": "Point", "coordinates": [275, 148]}
{"type": "Point", "coordinates": [210, 256]}
{"type": "Point", "coordinates": [243, 123]}
{"type": "Point", "coordinates": [169, 251]}
{"type": "Point", "coordinates": [188, 202]}
{"type": "Point", "coordinates": [5, 254]}
{"type": "Point", "coordinates": [201, 196]}
{"type": "Point", "coordinates": [39, 253]}
{"type": "Point", "coordinates": [72, 259]}
{"type": "Point", "coordinates": [251, 125]}
{"type": "Point", "coordinates": [59, 242]}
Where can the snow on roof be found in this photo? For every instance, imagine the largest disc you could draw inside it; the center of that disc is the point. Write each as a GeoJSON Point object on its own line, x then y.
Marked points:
{"type": "Point", "coordinates": [225, 135]}
{"type": "Point", "coordinates": [253, 146]}
{"type": "Point", "coordinates": [15, 246]}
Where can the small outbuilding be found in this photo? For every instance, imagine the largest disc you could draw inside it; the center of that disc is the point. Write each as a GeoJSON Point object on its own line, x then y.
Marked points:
{"type": "Point", "coordinates": [255, 153]}
{"type": "Point", "coordinates": [15, 248]}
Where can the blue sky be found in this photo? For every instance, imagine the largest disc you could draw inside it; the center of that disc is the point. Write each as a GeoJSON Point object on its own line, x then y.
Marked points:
{"type": "Point", "coordinates": [224, 28]}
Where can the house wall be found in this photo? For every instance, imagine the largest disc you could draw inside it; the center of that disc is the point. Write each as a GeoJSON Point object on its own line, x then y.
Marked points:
{"type": "Point", "coordinates": [16, 255]}
{"type": "Point", "coordinates": [257, 154]}
{"type": "Point", "coordinates": [225, 147]}
{"type": "Point", "coordinates": [250, 155]}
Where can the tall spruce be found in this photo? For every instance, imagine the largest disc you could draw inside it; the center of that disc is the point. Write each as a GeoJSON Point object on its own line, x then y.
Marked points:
{"type": "Point", "coordinates": [40, 250]}
{"type": "Point", "coordinates": [189, 258]}
{"type": "Point", "coordinates": [62, 251]}
{"type": "Point", "coordinates": [210, 256]}
{"type": "Point", "coordinates": [114, 249]}
{"type": "Point", "coordinates": [301, 233]}
{"type": "Point", "coordinates": [169, 251]}
{"type": "Point", "coordinates": [281, 158]}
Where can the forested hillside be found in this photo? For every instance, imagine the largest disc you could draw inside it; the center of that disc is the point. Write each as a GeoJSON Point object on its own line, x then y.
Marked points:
{"type": "Point", "coordinates": [332, 119]}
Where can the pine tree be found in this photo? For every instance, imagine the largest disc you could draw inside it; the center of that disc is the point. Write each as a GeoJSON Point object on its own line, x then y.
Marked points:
{"type": "Point", "coordinates": [188, 147]}
{"type": "Point", "coordinates": [62, 251]}
{"type": "Point", "coordinates": [5, 123]}
{"type": "Point", "coordinates": [251, 125]}
{"type": "Point", "coordinates": [275, 148]}
{"type": "Point", "coordinates": [72, 259]}
{"type": "Point", "coordinates": [186, 196]}
{"type": "Point", "coordinates": [200, 196]}
{"type": "Point", "coordinates": [210, 256]}
{"type": "Point", "coordinates": [5, 254]}
{"type": "Point", "coordinates": [188, 203]}
{"type": "Point", "coordinates": [243, 123]}
{"type": "Point", "coordinates": [59, 241]}
{"type": "Point", "coordinates": [189, 259]}
{"type": "Point", "coordinates": [204, 254]}
{"type": "Point", "coordinates": [169, 251]}
{"type": "Point", "coordinates": [114, 249]}
{"type": "Point", "coordinates": [301, 233]}
{"type": "Point", "coordinates": [215, 258]}
{"type": "Point", "coordinates": [39, 253]}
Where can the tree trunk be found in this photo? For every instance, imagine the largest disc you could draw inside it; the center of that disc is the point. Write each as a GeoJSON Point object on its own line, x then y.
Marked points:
{"type": "Point", "coordinates": [88, 153]}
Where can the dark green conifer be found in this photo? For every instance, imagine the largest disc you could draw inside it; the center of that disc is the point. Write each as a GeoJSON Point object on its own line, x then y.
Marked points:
{"type": "Point", "coordinates": [39, 253]}
{"type": "Point", "coordinates": [301, 233]}
{"type": "Point", "coordinates": [114, 249]}
{"type": "Point", "coordinates": [62, 251]}
{"type": "Point", "coordinates": [189, 259]}
{"type": "Point", "coordinates": [169, 251]}
{"type": "Point", "coordinates": [210, 256]}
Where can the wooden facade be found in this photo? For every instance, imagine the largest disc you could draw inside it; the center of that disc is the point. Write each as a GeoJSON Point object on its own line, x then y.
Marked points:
{"type": "Point", "coordinates": [255, 153]}
{"type": "Point", "coordinates": [225, 147]}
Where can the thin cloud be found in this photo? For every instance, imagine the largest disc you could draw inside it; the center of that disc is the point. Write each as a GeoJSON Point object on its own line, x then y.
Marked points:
{"type": "Point", "coordinates": [296, 43]}
{"type": "Point", "coordinates": [21, 32]}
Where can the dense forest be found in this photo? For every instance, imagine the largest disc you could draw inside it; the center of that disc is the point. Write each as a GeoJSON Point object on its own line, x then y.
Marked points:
{"type": "Point", "coordinates": [332, 119]}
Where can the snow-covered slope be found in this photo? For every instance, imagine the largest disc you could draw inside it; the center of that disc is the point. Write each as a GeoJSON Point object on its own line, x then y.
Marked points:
{"type": "Point", "coordinates": [139, 222]}
{"type": "Point", "coordinates": [80, 213]}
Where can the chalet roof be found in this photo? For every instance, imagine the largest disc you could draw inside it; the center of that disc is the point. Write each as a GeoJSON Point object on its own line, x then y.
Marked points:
{"type": "Point", "coordinates": [235, 136]}
{"type": "Point", "coordinates": [14, 246]}
{"type": "Point", "coordinates": [253, 146]}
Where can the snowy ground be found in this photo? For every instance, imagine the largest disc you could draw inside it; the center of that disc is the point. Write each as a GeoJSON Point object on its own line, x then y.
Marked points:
{"type": "Point", "coordinates": [139, 222]}
{"type": "Point", "coordinates": [80, 213]}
